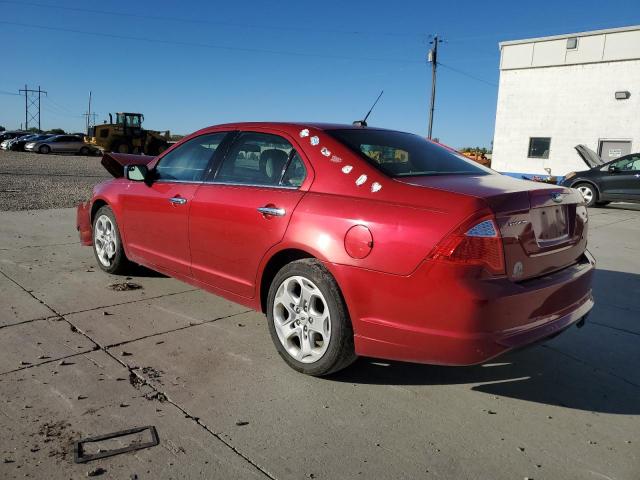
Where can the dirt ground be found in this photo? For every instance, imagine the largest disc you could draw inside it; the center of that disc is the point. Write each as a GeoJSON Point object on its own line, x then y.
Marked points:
{"type": "Point", "coordinates": [31, 181]}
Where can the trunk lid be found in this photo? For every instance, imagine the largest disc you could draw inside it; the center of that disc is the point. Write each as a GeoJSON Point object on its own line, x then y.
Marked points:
{"type": "Point", "coordinates": [543, 227]}
{"type": "Point", "coordinates": [591, 158]}
{"type": "Point", "coordinates": [114, 163]}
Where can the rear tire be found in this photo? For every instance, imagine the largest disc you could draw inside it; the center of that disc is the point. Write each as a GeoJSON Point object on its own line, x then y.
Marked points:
{"type": "Point", "coordinates": [121, 147]}
{"type": "Point", "coordinates": [107, 243]}
{"type": "Point", "coordinates": [308, 319]}
{"type": "Point", "coordinates": [84, 151]}
{"type": "Point", "coordinates": [44, 149]}
{"type": "Point", "coordinates": [589, 193]}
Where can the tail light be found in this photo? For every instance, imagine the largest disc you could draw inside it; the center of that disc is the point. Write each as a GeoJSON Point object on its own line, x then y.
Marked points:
{"type": "Point", "coordinates": [475, 243]}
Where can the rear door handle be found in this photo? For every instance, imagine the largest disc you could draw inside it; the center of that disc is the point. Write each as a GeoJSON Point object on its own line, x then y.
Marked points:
{"type": "Point", "coordinates": [272, 211]}
{"type": "Point", "coordinates": [178, 200]}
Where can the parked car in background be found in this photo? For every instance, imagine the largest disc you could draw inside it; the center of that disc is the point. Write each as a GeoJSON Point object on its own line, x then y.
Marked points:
{"type": "Point", "coordinates": [614, 181]}
{"type": "Point", "coordinates": [11, 135]}
{"type": "Point", "coordinates": [61, 144]}
{"type": "Point", "coordinates": [17, 144]}
{"type": "Point", "coordinates": [353, 241]}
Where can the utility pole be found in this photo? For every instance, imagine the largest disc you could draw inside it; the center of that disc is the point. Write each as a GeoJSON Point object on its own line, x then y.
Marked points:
{"type": "Point", "coordinates": [31, 105]}
{"type": "Point", "coordinates": [91, 117]}
{"type": "Point", "coordinates": [432, 58]}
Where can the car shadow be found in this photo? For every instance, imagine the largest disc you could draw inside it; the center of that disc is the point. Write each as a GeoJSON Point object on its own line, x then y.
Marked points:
{"type": "Point", "coordinates": [144, 272]}
{"type": "Point", "coordinates": [589, 369]}
{"type": "Point", "coordinates": [632, 207]}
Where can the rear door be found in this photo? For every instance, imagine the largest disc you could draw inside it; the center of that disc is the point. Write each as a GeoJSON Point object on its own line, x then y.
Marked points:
{"type": "Point", "coordinates": [57, 143]}
{"type": "Point", "coordinates": [155, 215]}
{"type": "Point", "coordinates": [244, 209]}
{"type": "Point", "coordinates": [621, 179]}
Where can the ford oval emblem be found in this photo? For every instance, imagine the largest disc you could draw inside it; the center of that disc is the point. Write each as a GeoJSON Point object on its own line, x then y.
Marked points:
{"type": "Point", "coordinates": [556, 197]}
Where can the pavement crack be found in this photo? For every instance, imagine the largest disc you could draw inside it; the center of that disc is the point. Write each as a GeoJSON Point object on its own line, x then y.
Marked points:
{"type": "Point", "coordinates": [130, 301]}
{"type": "Point", "coordinates": [50, 317]}
{"type": "Point", "coordinates": [630, 332]}
{"type": "Point", "coordinates": [596, 368]}
{"type": "Point", "coordinates": [137, 380]}
{"type": "Point", "coordinates": [48, 361]}
{"type": "Point", "coordinates": [177, 329]}
{"type": "Point", "coordinates": [133, 371]}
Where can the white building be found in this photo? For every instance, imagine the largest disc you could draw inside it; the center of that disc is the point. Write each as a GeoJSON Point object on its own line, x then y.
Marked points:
{"type": "Point", "coordinates": [561, 91]}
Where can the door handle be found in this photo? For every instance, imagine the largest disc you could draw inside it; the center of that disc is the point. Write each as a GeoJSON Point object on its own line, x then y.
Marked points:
{"type": "Point", "coordinates": [272, 211]}
{"type": "Point", "coordinates": [178, 200]}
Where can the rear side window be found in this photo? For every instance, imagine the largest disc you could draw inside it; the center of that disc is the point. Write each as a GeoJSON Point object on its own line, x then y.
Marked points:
{"type": "Point", "coordinates": [261, 159]}
{"type": "Point", "coordinates": [188, 162]}
{"type": "Point", "coordinates": [400, 154]}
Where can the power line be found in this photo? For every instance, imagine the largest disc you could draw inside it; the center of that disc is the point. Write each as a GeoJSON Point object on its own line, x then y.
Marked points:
{"type": "Point", "coordinates": [214, 22]}
{"type": "Point", "coordinates": [55, 104]}
{"type": "Point", "coordinates": [207, 45]}
{"type": "Point", "coordinates": [469, 75]}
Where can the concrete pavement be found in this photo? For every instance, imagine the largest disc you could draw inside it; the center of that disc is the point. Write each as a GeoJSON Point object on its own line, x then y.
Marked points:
{"type": "Point", "coordinates": [80, 359]}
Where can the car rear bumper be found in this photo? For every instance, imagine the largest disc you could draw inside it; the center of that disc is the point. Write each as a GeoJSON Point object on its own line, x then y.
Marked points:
{"type": "Point", "coordinates": [83, 223]}
{"type": "Point", "coordinates": [441, 316]}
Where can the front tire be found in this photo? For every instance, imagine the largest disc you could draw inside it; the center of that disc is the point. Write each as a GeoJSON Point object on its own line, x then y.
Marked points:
{"type": "Point", "coordinates": [589, 193]}
{"type": "Point", "coordinates": [107, 243]}
{"type": "Point", "coordinates": [308, 319]}
{"type": "Point", "coordinates": [45, 149]}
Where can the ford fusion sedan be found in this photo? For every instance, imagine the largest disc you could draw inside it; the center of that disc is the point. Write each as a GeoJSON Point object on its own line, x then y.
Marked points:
{"type": "Point", "coordinates": [354, 241]}
{"type": "Point", "coordinates": [60, 144]}
{"type": "Point", "coordinates": [614, 181]}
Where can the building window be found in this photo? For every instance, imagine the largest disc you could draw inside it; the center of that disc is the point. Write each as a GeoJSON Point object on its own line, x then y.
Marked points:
{"type": "Point", "coordinates": [539, 147]}
{"type": "Point", "coordinates": [572, 43]}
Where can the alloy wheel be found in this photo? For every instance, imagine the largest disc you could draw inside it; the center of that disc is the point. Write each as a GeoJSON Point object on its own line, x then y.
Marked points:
{"type": "Point", "coordinates": [302, 320]}
{"type": "Point", "coordinates": [587, 193]}
{"type": "Point", "coordinates": [105, 240]}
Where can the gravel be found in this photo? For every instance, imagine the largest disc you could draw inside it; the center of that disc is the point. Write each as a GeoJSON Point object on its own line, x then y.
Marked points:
{"type": "Point", "coordinates": [30, 181]}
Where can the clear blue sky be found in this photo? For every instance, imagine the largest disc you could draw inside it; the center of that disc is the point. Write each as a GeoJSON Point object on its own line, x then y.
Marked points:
{"type": "Point", "coordinates": [288, 60]}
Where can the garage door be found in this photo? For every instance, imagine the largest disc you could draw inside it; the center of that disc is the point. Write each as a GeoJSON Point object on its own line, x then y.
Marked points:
{"type": "Point", "coordinates": [612, 149]}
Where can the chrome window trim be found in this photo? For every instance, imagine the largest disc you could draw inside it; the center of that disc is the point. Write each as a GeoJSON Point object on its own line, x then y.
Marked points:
{"type": "Point", "coordinates": [232, 184]}
{"type": "Point", "coordinates": [176, 181]}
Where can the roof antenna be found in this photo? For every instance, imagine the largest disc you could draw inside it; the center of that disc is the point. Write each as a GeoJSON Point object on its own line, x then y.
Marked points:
{"type": "Point", "coordinates": [363, 122]}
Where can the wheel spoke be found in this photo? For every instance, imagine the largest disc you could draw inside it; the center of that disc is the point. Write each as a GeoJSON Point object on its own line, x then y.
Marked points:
{"type": "Point", "coordinates": [305, 346]}
{"type": "Point", "coordinates": [320, 324]}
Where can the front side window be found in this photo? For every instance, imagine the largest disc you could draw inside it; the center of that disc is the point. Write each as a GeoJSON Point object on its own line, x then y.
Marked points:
{"type": "Point", "coordinates": [261, 159]}
{"type": "Point", "coordinates": [539, 147]}
{"type": "Point", "coordinates": [400, 154]}
{"type": "Point", "coordinates": [188, 162]}
{"type": "Point", "coordinates": [628, 164]}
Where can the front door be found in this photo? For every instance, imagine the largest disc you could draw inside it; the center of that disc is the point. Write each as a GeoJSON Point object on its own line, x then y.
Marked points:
{"type": "Point", "coordinates": [623, 179]}
{"type": "Point", "coordinates": [156, 214]}
{"type": "Point", "coordinates": [244, 210]}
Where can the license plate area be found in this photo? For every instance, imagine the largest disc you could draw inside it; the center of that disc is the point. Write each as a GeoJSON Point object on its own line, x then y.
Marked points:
{"type": "Point", "coordinates": [551, 224]}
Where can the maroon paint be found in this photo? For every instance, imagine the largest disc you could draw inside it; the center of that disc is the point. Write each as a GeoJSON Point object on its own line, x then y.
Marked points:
{"type": "Point", "coordinates": [405, 302]}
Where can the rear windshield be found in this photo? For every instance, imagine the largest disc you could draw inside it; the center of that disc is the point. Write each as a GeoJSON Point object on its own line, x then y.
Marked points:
{"type": "Point", "coordinates": [401, 154]}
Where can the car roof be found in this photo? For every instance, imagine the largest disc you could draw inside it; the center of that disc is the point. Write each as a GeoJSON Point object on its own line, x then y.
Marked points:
{"type": "Point", "coordinates": [287, 125]}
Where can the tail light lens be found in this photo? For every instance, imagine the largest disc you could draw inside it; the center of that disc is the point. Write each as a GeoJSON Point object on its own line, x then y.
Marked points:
{"type": "Point", "coordinates": [475, 243]}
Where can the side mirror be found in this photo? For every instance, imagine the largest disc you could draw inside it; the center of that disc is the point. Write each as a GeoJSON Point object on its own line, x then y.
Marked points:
{"type": "Point", "coordinates": [136, 173]}
{"type": "Point", "coordinates": [613, 168]}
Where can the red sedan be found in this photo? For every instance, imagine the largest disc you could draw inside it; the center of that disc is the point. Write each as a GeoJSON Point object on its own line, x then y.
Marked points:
{"type": "Point", "coordinates": [353, 240]}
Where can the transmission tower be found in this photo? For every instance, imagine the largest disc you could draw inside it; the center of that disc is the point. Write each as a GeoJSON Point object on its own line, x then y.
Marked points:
{"type": "Point", "coordinates": [31, 105]}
